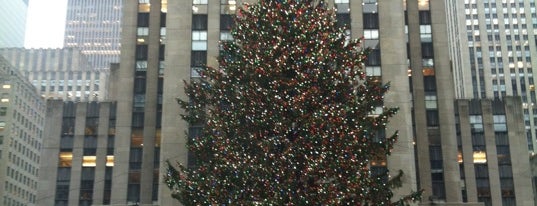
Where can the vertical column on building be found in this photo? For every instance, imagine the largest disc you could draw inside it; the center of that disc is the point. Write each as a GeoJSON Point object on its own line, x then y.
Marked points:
{"type": "Point", "coordinates": [48, 169]}
{"type": "Point", "coordinates": [491, 162]}
{"type": "Point", "coordinates": [467, 151]}
{"type": "Point", "coordinates": [445, 99]}
{"type": "Point", "coordinates": [77, 152]}
{"type": "Point", "coordinates": [521, 171]}
{"type": "Point", "coordinates": [101, 156]}
{"type": "Point", "coordinates": [124, 97]}
{"type": "Point", "coordinates": [394, 70]}
{"type": "Point", "coordinates": [418, 95]}
{"type": "Point", "coordinates": [178, 42]}
{"type": "Point", "coordinates": [155, 51]}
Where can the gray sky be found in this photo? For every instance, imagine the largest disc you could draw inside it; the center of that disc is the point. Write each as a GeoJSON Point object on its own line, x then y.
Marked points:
{"type": "Point", "coordinates": [45, 24]}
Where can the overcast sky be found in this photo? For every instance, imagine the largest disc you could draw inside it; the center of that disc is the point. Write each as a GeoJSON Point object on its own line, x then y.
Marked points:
{"type": "Point", "coordinates": [45, 24]}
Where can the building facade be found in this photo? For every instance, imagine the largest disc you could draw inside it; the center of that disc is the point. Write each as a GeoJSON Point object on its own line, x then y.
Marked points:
{"type": "Point", "coordinates": [13, 18]}
{"type": "Point", "coordinates": [60, 73]}
{"type": "Point", "coordinates": [493, 159]}
{"type": "Point", "coordinates": [95, 28]}
{"type": "Point", "coordinates": [497, 44]}
{"type": "Point", "coordinates": [22, 119]}
{"type": "Point", "coordinates": [81, 151]}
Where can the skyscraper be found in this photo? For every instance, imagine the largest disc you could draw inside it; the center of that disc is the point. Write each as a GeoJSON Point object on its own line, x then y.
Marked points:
{"type": "Point", "coordinates": [13, 18]}
{"type": "Point", "coordinates": [496, 39]}
{"type": "Point", "coordinates": [95, 28]}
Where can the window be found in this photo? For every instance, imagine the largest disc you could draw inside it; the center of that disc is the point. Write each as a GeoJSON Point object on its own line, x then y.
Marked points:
{"type": "Point", "coordinates": [199, 40]}
{"type": "Point", "coordinates": [425, 33]}
{"type": "Point", "coordinates": [226, 22]}
{"type": "Point", "coordinates": [373, 71]}
{"type": "Point", "coordinates": [65, 159]}
{"type": "Point", "coordinates": [427, 50]}
{"type": "Point", "coordinates": [199, 2]}
{"type": "Point", "coordinates": [141, 66]}
{"type": "Point", "coordinates": [476, 123]}
{"type": "Point", "coordinates": [500, 124]}
{"type": "Point", "coordinates": [432, 118]}
{"type": "Point", "coordinates": [141, 52]}
{"type": "Point", "coordinates": [371, 34]}
{"type": "Point", "coordinates": [374, 58]}
{"type": "Point", "coordinates": [425, 17]}
{"type": "Point", "coordinates": [143, 19]}
{"type": "Point", "coordinates": [430, 102]}
{"type": "Point", "coordinates": [3, 111]}
{"type": "Point", "coordinates": [344, 20]}
{"type": "Point", "coordinates": [199, 22]}
{"type": "Point", "coordinates": [371, 21]}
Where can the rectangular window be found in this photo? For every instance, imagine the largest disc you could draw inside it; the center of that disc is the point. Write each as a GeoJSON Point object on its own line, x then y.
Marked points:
{"type": "Point", "coordinates": [343, 20]}
{"type": "Point", "coordinates": [500, 124]}
{"type": "Point", "coordinates": [199, 22]}
{"type": "Point", "coordinates": [141, 52]}
{"type": "Point", "coordinates": [371, 21]}
{"type": "Point", "coordinates": [373, 58]}
{"type": "Point", "coordinates": [425, 17]}
{"type": "Point", "coordinates": [143, 19]}
{"type": "Point", "coordinates": [199, 2]}
{"type": "Point", "coordinates": [371, 34]}
{"type": "Point", "coordinates": [372, 71]}
{"type": "Point", "coordinates": [430, 102]}
{"type": "Point", "coordinates": [141, 66]}
{"type": "Point", "coordinates": [199, 40]}
{"type": "Point", "coordinates": [427, 50]}
{"type": "Point", "coordinates": [226, 22]}
{"type": "Point", "coordinates": [432, 118]}
{"type": "Point", "coordinates": [198, 58]}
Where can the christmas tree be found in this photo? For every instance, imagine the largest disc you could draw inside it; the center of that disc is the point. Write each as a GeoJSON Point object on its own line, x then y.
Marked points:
{"type": "Point", "coordinates": [289, 116]}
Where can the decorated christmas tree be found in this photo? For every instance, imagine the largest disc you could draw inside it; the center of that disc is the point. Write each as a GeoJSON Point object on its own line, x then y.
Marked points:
{"type": "Point", "coordinates": [289, 116]}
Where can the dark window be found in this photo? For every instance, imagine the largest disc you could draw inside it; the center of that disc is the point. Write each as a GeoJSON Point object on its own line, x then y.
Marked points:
{"type": "Point", "coordinates": [137, 119]}
{"type": "Point", "coordinates": [143, 19]}
{"type": "Point", "coordinates": [139, 85]}
{"type": "Point", "coordinates": [141, 52]}
{"type": "Point", "coordinates": [429, 83]}
{"type": "Point", "coordinates": [90, 145]}
{"type": "Point", "coordinates": [198, 58]}
{"type": "Point", "coordinates": [226, 22]}
{"type": "Point", "coordinates": [427, 51]}
{"type": "Point", "coordinates": [373, 58]}
{"type": "Point", "coordinates": [199, 22]}
{"type": "Point", "coordinates": [162, 19]}
{"type": "Point", "coordinates": [425, 17]}
{"type": "Point", "coordinates": [161, 52]}
{"type": "Point", "coordinates": [432, 118]}
{"type": "Point", "coordinates": [135, 159]}
{"type": "Point", "coordinates": [66, 142]}
{"type": "Point", "coordinates": [343, 20]}
{"type": "Point", "coordinates": [371, 21]}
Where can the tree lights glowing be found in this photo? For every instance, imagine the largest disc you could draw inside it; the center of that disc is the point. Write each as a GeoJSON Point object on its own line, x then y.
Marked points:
{"type": "Point", "coordinates": [287, 116]}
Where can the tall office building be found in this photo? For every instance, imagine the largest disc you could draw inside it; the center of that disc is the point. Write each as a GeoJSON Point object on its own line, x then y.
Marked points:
{"type": "Point", "coordinates": [60, 73]}
{"type": "Point", "coordinates": [22, 119]}
{"type": "Point", "coordinates": [162, 42]}
{"type": "Point", "coordinates": [95, 28]}
{"type": "Point", "coordinates": [13, 18]}
{"type": "Point", "coordinates": [497, 41]}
